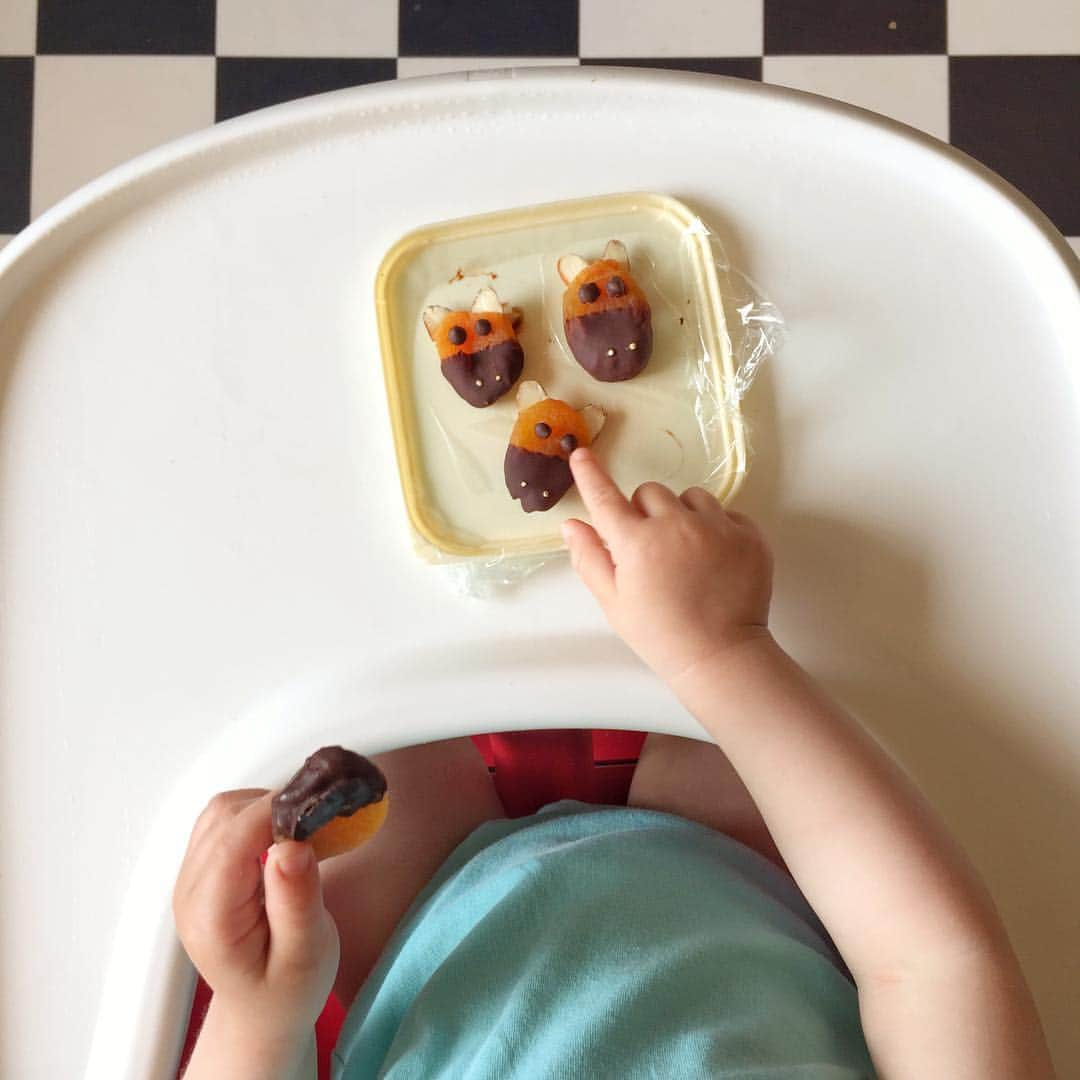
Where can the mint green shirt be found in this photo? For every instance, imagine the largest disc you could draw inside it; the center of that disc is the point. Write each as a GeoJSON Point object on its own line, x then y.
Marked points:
{"type": "Point", "coordinates": [600, 942]}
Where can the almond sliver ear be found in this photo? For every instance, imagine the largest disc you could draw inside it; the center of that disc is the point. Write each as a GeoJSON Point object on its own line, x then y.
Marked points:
{"type": "Point", "coordinates": [616, 252]}
{"type": "Point", "coordinates": [433, 315]}
{"type": "Point", "coordinates": [594, 418]}
{"type": "Point", "coordinates": [487, 300]}
{"type": "Point", "coordinates": [569, 266]}
{"type": "Point", "coordinates": [529, 393]}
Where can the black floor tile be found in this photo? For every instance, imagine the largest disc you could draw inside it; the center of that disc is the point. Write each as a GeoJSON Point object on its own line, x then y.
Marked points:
{"type": "Point", "coordinates": [247, 83]}
{"type": "Point", "coordinates": [488, 28]}
{"type": "Point", "coordinates": [126, 26]}
{"type": "Point", "coordinates": [811, 28]}
{"type": "Point", "coordinates": [1013, 113]}
{"type": "Point", "coordinates": [16, 123]}
{"type": "Point", "coordinates": [741, 67]}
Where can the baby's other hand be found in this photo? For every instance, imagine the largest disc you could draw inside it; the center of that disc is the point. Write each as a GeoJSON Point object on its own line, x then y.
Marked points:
{"type": "Point", "coordinates": [260, 937]}
{"type": "Point", "coordinates": [680, 579]}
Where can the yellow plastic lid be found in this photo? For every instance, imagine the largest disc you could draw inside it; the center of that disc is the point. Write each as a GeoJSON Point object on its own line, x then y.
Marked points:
{"type": "Point", "coordinates": [676, 422]}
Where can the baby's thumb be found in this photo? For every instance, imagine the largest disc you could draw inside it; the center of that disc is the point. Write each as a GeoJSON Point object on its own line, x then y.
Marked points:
{"type": "Point", "coordinates": [294, 906]}
{"type": "Point", "coordinates": [590, 559]}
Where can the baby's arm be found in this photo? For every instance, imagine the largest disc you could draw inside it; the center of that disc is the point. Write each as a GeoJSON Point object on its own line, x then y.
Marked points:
{"type": "Point", "coordinates": [260, 937]}
{"type": "Point", "coordinates": [687, 585]}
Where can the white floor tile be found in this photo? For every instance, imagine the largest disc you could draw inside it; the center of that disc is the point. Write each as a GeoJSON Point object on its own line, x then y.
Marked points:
{"type": "Point", "coordinates": [18, 27]}
{"type": "Point", "coordinates": [648, 28]}
{"type": "Point", "coordinates": [410, 66]}
{"type": "Point", "coordinates": [93, 112]}
{"type": "Point", "coordinates": [912, 89]}
{"type": "Point", "coordinates": [1008, 28]}
{"type": "Point", "coordinates": [366, 28]}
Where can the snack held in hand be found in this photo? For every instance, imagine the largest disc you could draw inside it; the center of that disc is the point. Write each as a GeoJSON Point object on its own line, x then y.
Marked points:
{"type": "Point", "coordinates": [336, 800]}
{"type": "Point", "coordinates": [607, 320]}
{"type": "Point", "coordinates": [478, 349]}
{"type": "Point", "coordinates": [547, 431]}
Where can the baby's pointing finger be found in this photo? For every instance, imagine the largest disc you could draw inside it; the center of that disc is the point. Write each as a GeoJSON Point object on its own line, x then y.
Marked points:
{"type": "Point", "coordinates": [608, 507]}
{"type": "Point", "coordinates": [251, 830]}
{"type": "Point", "coordinates": [221, 809]}
{"type": "Point", "coordinates": [590, 559]}
{"type": "Point", "coordinates": [233, 869]}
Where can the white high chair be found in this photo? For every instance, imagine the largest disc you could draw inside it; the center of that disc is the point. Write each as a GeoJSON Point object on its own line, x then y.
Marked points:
{"type": "Point", "coordinates": [205, 567]}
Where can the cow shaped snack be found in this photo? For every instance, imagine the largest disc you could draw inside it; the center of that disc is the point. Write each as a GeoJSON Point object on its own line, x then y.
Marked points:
{"type": "Point", "coordinates": [336, 801]}
{"type": "Point", "coordinates": [547, 431]}
{"type": "Point", "coordinates": [607, 320]}
{"type": "Point", "coordinates": [478, 349]}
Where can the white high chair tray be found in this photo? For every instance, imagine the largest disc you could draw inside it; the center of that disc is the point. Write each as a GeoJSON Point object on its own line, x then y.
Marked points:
{"type": "Point", "coordinates": [205, 565]}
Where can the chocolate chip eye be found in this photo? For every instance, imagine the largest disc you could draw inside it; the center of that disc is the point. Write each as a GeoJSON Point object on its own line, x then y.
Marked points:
{"type": "Point", "coordinates": [588, 292]}
{"type": "Point", "coordinates": [616, 286]}
{"type": "Point", "coordinates": [456, 335]}
{"type": "Point", "coordinates": [542, 430]}
{"type": "Point", "coordinates": [568, 443]}
{"type": "Point", "coordinates": [482, 326]}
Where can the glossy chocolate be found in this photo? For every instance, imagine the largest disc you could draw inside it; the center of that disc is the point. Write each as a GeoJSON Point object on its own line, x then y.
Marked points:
{"type": "Point", "coordinates": [464, 370]}
{"type": "Point", "coordinates": [456, 335]}
{"type": "Point", "coordinates": [615, 286]}
{"type": "Point", "coordinates": [593, 337]}
{"type": "Point", "coordinates": [481, 326]}
{"type": "Point", "coordinates": [588, 292]}
{"type": "Point", "coordinates": [333, 782]}
{"type": "Point", "coordinates": [538, 480]}
{"type": "Point", "coordinates": [542, 430]}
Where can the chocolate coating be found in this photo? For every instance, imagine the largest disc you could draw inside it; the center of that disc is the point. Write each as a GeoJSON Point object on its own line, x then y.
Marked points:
{"type": "Point", "coordinates": [456, 335]}
{"type": "Point", "coordinates": [540, 473]}
{"type": "Point", "coordinates": [481, 326]}
{"type": "Point", "coordinates": [591, 336]}
{"type": "Point", "coordinates": [588, 292]}
{"type": "Point", "coordinates": [462, 370]}
{"type": "Point", "coordinates": [333, 782]}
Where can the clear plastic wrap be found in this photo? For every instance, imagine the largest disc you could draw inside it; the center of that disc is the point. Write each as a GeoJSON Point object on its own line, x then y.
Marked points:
{"type": "Point", "coordinates": [679, 421]}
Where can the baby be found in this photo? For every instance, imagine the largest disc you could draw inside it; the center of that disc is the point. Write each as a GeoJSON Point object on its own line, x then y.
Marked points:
{"type": "Point", "coordinates": [780, 903]}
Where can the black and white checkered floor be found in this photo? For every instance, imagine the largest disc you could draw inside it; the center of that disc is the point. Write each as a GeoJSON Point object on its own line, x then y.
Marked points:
{"type": "Point", "coordinates": [85, 84]}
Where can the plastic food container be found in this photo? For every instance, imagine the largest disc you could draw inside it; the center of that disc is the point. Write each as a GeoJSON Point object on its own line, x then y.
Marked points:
{"type": "Point", "coordinates": [677, 421]}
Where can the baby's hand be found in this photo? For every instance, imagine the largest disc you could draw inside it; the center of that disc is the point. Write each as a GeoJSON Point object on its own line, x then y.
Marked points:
{"type": "Point", "coordinates": [680, 579]}
{"type": "Point", "coordinates": [260, 937]}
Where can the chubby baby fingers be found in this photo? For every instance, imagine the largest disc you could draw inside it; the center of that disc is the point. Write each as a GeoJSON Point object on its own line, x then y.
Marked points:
{"type": "Point", "coordinates": [590, 558]}
{"type": "Point", "coordinates": [701, 501]}
{"type": "Point", "coordinates": [221, 809]}
{"type": "Point", "coordinates": [655, 500]}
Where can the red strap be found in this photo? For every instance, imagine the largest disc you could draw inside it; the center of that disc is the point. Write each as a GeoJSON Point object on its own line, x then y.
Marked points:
{"type": "Point", "coordinates": [533, 768]}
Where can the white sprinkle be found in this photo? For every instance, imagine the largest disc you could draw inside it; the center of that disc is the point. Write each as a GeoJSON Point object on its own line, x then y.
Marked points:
{"type": "Point", "coordinates": [479, 382]}
{"type": "Point", "coordinates": [498, 378]}
{"type": "Point", "coordinates": [611, 352]}
{"type": "Point", "coordinates": [523, 484]}
{"type": "Point", "coordinates": [546, 494]}
{"type": "Point", "coordinates": [632, 346]}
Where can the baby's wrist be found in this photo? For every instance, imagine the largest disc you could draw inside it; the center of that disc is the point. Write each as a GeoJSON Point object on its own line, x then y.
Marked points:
{"type": "Point", "coordinates": [253, 1018]}
{"type": "Point", "coordinates": [241, 1039]}
{"type": "Point", "coordinates": [715, 666]}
